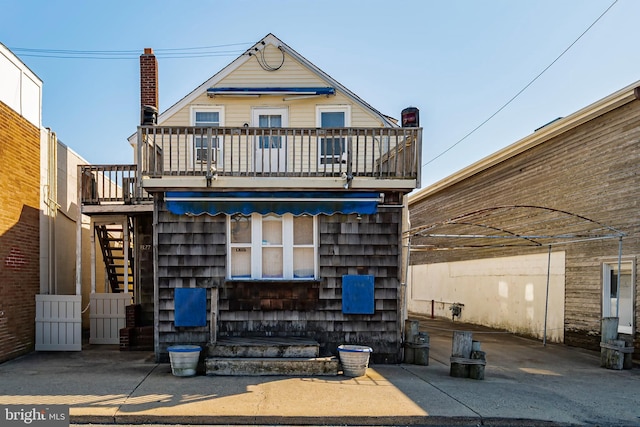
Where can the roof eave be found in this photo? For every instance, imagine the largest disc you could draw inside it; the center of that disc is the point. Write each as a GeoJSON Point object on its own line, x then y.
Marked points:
{"type": "Point", "coordinates": [598, 108]}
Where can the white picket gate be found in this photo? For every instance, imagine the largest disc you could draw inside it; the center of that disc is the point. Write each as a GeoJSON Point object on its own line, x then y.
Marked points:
{"type": "Point", "coordinates": [58, 323]}
{"type": "Point", "coordinates": [107, 316]}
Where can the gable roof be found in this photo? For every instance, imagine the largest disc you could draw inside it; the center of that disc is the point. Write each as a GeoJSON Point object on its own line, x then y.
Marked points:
{"type": "Point", "coordinates": [539, 136]}
{"type": "Point", "coordinates": [270, 39]}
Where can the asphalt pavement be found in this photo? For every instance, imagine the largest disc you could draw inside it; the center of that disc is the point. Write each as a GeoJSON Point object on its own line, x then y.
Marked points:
{"type": "Point", "coordinates": [525, 383]}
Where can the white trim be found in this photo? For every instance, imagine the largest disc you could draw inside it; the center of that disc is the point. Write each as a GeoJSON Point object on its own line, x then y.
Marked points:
{"type": "Point", "coordinates": [346, 109]}
{"type": "Point", "coordinates": [206, 108]}
{"type": "Point", "coordinates": [628, 264]}
{"type": "Point", "coordinates": [198, 108]}
{"type": "Point", "coordinates": [276, 158]}
{"type": "Point", "coordinates": [257, 245]}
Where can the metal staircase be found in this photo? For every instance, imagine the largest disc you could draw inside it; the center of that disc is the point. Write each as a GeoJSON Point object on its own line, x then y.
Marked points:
{"type": "Point", "coordinates": [112, 243]}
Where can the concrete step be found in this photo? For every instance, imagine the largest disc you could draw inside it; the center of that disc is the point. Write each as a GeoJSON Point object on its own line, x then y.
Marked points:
{"type": "Point", "coordinates": [264, 347]}
{"type": "Point", "coordinates": [290, 366]}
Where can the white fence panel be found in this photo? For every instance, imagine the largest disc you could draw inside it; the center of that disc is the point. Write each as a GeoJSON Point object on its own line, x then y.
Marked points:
{"type": "Point", "coordinates": [58, 322]}
{"type": "Point", "coordinates": [107, 316]}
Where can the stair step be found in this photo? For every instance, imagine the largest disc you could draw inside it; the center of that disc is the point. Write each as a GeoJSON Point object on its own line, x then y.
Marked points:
{"type": "Point", "coordinates": [262, 366]}
{"type": "Point", "coordinates": [264, 347]}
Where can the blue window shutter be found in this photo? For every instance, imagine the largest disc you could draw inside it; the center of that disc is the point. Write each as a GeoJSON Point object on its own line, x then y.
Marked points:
{"type": "Point", "coordinates": [358, 295]}
{"type": "Point", "coordinates": [190, 307]}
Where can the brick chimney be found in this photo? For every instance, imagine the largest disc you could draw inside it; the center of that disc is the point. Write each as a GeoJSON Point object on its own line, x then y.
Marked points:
{"type": "Point", "coordinates": [148, 82]}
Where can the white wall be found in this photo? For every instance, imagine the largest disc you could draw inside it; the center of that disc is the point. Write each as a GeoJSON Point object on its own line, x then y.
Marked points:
{"type": "Point", "coordinates": [20, 88]}
{"type": "Point", "coordinates": [506, 293]}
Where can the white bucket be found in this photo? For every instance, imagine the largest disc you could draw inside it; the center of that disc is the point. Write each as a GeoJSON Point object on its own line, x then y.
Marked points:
{"type": "Point", "coordinates": [184, 359]}
{"type": "Point", "coordinates": [354, 359]}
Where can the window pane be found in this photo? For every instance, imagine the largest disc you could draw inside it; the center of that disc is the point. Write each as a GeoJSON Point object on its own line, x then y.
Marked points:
{"type": "Point", "coordinates": [303, 230]}
{"type": "Point", "coordinates": [267, 121]}
{"type": "Point", "coordinates": [240, 229]}
{"type": "Point", "coordinates": [332, 119]}
{"type": "Point", "coordinates": [270, 141]}
{"type": "Point", "coordinates": [272, 230]}
{"type": "Point", "coordinates": [241, 262]}
{"type": "Point", "coordinates": [272, 263]}
{"type": "Point", "coordinates": [207, 118]}
{"type": "Point", "coordinates": [303, 262]}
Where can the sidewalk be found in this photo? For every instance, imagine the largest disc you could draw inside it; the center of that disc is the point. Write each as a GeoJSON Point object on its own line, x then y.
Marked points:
{"type": "Point", "coordinates": [525, 384]}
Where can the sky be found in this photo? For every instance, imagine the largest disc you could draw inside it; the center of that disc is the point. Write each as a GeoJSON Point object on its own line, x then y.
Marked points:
{"type": "Point", "coordinates": [483, 73]}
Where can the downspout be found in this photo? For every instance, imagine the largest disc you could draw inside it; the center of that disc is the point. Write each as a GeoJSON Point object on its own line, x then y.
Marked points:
{"type": "Point", "coordinates": [619, 277]}
{"type": "Point", "coordinates": [52, 210]}
{"type": "Point", "coordinates": [546, 298]}
{"type": "Point", "coordinates": [404, 285]}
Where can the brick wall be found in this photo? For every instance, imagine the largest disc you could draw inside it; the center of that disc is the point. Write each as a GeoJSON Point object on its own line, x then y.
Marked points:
{"type": "Point", "coordinates": [19, 232]}
{"type": "Point", "coordinates": [148, 78]}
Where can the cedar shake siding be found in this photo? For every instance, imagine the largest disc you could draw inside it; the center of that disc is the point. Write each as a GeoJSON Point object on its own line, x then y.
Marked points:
{"type": "Point", "coordinates": [590, 170]}
{"type": "Point", "coordinates": [192, 253]}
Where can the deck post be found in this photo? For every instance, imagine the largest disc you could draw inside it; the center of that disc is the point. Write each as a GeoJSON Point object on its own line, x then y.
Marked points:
{"type": "Point", "coordinates": [79, 234]}
{"type": "Point", "coordinates": [125, 253]}
{"type": "Point", "coordinates": [213, 327]}
{"type": "Point", "coordinates": [92, 251]}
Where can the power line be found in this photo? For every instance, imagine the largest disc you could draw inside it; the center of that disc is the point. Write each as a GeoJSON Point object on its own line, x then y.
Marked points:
{"type": "Point", "coordinates": [135, 57]}
{"type": "Point", "coordinates": [524, 88]}
{"type": "Point", "coordinates": [165, 53]}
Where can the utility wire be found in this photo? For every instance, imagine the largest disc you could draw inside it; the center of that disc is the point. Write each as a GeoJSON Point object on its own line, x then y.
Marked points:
{"type": "Point", "coordinates": [524, 88]}
{"type": "Point", "coordinates": [166, 53]}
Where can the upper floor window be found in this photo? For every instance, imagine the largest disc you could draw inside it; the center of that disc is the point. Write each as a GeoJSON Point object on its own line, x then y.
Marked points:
{"type": "Point", "coordinates": [272, 247]}
{"type": "Point", "coordinates": [332, 147]}
{"type": "Point", "coordinates": [203, 143]}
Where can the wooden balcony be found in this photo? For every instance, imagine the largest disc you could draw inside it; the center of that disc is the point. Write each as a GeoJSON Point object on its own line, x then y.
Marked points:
{"type": "Point", "coordinates": [112, 189]}
{"type": "Point", "coordinates": [225, 158]}
{"type": "Point", "coordinates": [375, 158]}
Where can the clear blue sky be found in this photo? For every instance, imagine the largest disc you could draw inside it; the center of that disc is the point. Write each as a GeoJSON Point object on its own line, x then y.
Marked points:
{"type": "Point", "coordinates": [458, 61]}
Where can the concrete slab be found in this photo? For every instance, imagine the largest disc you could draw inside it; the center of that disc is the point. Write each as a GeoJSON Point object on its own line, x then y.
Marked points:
{"type": "Point", "coordinates": [525, 384]}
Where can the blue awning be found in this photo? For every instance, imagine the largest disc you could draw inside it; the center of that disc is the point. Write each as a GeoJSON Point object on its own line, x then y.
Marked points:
{"type": "Point", "coordinates": [271, 91]}
{"type": "Point", "coordinates": [279, 202]}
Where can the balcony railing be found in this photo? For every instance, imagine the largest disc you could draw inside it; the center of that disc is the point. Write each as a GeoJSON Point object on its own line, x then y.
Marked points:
{"type": "Point", "coordinates": [111, 184]}
{"type": "Point", "coordinates": [384, 153]}
{"type": "Point", "coordinates": [374, 153]}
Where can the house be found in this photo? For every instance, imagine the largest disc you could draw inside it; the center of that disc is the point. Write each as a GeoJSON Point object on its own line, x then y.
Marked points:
{"type": "Point", "coordinates": [268, 202]}
{"type": "Point", "coordinates": [534, 238]}
{"type": "Point", "coordinates": [38, 183]}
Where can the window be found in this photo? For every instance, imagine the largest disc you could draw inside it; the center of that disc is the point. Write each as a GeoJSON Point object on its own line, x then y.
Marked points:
{"type": "Point", "coordinates": [271, 144]}
{"type": "Point", "coordinates": [270, 121]}
{"type": "Point", "coordinates": [202, 143]}
{"type": "Point", "coordinates": [332, 148]}
{"type": "Point", "coordinates": [274, 247]}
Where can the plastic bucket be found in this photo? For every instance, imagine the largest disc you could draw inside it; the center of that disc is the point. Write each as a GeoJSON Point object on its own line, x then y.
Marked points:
{"type": "Point", "coordinates": [354, 359]}
{"type": "Point", "coordinates": [184, 359]}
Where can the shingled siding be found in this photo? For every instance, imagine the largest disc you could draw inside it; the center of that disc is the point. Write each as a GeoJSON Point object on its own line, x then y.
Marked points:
{"type": "Point", "coordinates": [144, 266]}
{"type": "Point", "coordinates": [591, 170]}
{"type": "Point", "coordinates": [192, 253]}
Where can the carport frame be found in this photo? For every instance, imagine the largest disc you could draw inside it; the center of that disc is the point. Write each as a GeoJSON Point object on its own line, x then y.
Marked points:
{"type": "Point", "coordinates": [596, 231]}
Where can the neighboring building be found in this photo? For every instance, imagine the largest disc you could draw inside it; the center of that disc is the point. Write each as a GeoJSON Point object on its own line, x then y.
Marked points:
{"type": "Point", "coordinates": [268, 202]}
{"type": "Point", "coordinates": [38, 220]}
{"type": "Point", "coordinates": [572, 187]}
{"type": "Point", "coordinates": [20, 123]}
